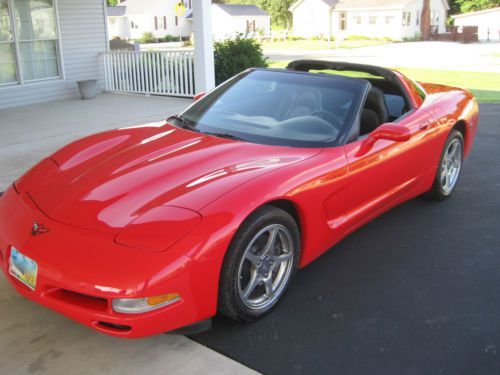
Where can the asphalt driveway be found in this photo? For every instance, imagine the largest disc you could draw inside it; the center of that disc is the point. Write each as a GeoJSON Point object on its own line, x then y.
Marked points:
{"type": "Point", "coordinates": [417, 291]}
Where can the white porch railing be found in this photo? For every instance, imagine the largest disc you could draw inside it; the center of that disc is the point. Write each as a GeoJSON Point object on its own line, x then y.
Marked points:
{"type": "Point", "coordinates": [150, 72]}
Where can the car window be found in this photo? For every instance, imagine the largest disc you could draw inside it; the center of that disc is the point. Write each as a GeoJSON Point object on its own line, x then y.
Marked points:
{"type": "Point", "coordinates": [280, 108]}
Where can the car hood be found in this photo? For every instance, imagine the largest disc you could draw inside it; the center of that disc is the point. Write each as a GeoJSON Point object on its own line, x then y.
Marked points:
{"type": "Point", "coordinates": [105, 181]}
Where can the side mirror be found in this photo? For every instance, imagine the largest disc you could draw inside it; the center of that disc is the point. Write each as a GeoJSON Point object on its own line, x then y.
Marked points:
{"type": "Point", "coordinates": [390, 132]}
{"type": "Point", "coordinates": [198, 96]}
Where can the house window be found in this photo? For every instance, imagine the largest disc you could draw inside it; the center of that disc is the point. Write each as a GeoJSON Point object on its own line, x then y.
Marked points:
{"type": "Point", "coordinates": [29, 48]}
{"type": "Point", "coordinates": [250, 26]}
{"type": "Point", "coordinates": [417, 18]}
{"type": "Point", "coordinates": [389, 20]}
{"type": "Point", "coordinates": [156, 23]}
{"type": "Point", "coordinates": [372, 20]}
{"type": "Point", "coordinates": [406, 18]}
{"type": "Point", "coordinates": [358, 20]}
{"type": "Point", "coordinates": [343, 20]}
{"type": "Point", "coordinates": [165, 22]}
{"type": "Point", "coordinates": [176, 21]}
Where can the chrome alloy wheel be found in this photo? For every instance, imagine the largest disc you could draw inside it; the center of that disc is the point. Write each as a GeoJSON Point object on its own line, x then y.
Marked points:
{"type": "Point", "coordinates": [265, 267]}
{"type": "Point", "coordinates": [450, 166]}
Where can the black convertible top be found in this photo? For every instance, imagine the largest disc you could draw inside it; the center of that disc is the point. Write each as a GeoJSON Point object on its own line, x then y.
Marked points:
{"type": "Point", "coordinates": [306, 65]}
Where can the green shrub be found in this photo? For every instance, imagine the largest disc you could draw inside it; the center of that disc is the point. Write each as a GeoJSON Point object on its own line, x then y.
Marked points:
{"type": "Point", "coordinates": [233, 56]}
{"type": "Point", "coordinates": [169, 38]}
{"type": "Point", "coordinates": [148, 37]}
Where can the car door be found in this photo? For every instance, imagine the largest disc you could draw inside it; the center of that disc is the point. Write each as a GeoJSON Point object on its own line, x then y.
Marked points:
{"type": "Point", "coordinates": [388, 172]}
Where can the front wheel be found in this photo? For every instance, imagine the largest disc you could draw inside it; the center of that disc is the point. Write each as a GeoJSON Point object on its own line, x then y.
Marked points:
{"type": "Point", "coordinates": [450, 166]}
{"type": "Point", "coordinates": [259, 264]}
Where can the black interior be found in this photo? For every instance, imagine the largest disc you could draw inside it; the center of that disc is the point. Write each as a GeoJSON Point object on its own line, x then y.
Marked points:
{"type": "Point", "coordinates": [386, 101]}
{"type": "Point", "coordinates": [374, 112]}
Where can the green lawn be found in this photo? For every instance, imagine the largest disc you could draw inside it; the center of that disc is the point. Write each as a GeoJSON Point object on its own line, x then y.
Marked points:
{"type": "Point", "coordinates": [309, 45]}
{"type": "Point", "coordinates": [485, 86]}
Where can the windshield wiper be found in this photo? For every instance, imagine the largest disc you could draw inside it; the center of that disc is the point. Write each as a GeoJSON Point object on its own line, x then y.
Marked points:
{"type": "Point", "coordinates": [225, 135]}
{"type": "Point", "coordinates": [185, 123]}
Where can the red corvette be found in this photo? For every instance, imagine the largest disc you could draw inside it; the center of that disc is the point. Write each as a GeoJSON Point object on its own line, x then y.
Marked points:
{"type": "Point", "coordinates": [152, 228]}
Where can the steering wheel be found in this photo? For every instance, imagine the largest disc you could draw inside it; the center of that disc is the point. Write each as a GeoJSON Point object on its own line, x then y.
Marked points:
{"type": "Point", "coordinates": [328, 116]}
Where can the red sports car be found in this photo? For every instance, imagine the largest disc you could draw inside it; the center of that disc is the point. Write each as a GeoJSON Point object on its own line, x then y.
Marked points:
{"type": "Point", "coordinates": [152, 228]}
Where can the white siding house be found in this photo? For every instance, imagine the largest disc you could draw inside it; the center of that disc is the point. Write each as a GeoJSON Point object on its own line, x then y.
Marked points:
{"type": "Point", "coordinates": [395, 19]}
{"type": "Point", "coordinates": [487, 21]}
{"type": "Point", "coordinates": [132, 18]}
{"type": "Point", "coordinates": [231, 19]}
{"type": "Point", "coordinates": [46, 46]}
{"type": "Point", "coordinates": [135, 17]}
{"type": "Point", "coordinates": [118, 24]}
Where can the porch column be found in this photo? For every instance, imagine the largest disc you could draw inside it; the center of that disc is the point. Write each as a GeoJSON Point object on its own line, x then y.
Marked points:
{"type": "Point", "coordinates": [204, 72]}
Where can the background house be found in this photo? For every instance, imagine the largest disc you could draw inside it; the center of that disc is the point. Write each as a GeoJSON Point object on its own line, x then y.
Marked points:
{"type": "Point", "coordinates": [230, 19]}
{"type": "Point", "coordinates": [132, 18]}
{"type": "Point", "coordinates": [395, 19]}
{"type": "Point", "coordinates": [135, 17]}
{"type": "Point", "coordinates": [56, 44]}
{"type": "Point", "coordinates": [118, 24]}
{"type": "Point", "coordinates": [487, 21]}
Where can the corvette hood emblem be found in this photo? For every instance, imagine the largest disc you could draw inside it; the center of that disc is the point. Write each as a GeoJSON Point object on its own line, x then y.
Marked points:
{"type": "Point", "coordinates": [38, 229]}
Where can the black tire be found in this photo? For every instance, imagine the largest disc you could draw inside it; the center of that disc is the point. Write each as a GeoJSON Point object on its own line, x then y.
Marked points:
{"type": "Point", "coordinates": [438, 191]}
{"type": "Point", "coordinates": [230, 302]}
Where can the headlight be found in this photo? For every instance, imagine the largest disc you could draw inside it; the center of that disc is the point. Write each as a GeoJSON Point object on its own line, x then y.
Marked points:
{"type": "Point", "coordinates": [159, 228]}
{"type": "Point", "coordinates": [141, 305]}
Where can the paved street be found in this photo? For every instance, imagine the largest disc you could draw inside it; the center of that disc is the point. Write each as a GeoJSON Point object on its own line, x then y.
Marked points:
{"type": "Point", "coordinates": [478, 57]}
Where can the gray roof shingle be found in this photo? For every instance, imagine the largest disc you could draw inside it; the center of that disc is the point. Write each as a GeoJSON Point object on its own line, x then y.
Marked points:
{"type": "Point", "coordinates": [117, 11]}
{"type": "Point", "coordinates": [371, 4]}
{"type": "Point", "coordinates": [242, 10]}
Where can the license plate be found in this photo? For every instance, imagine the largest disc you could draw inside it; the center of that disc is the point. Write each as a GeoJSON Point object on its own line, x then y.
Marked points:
{"type": "Point", "coordinates": [23, 268]}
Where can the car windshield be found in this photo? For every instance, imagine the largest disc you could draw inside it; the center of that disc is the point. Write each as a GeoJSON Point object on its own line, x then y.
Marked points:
{"type": "Point", "coordinates": [278, 108]}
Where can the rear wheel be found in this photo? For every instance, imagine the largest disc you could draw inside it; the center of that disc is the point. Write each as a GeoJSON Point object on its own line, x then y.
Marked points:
{"type": "Point", "coordinates": [259, 264]}
{"type": "Point", "coordinates": [450, 166]}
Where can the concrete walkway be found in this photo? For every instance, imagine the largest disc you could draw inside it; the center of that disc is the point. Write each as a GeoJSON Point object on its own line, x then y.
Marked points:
{"type": "Point", "coordinates": [477, 57]}
{"type": "Point", "coordinates": [35, 340]}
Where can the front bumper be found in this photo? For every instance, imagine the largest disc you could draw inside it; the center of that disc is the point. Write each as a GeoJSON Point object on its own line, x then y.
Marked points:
{"type": "Point", "coordinates": [80, 272]}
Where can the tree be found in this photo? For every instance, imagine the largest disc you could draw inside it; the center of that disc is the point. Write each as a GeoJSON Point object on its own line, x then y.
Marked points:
{"type": "Point", "coordinates": [112, 3]}
{"type": "Point", "coordinates": [279, 11]}
{"type": "Point", "coordinates": [464, 6]}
